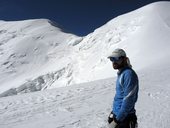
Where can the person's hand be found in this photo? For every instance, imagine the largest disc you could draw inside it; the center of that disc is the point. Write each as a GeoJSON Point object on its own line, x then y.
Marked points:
{"type": "Point", "coordinates": [111, 121]}
{"type": "Point", "coordinates": [110, 118]}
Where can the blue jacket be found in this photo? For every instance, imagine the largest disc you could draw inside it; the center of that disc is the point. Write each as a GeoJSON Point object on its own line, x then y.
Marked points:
{"type": "Point", "coordinates": [126, 93]}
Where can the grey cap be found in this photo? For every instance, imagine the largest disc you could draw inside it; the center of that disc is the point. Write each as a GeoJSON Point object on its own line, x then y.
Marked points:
{"type": "Point", "coordinates": [118, 53]}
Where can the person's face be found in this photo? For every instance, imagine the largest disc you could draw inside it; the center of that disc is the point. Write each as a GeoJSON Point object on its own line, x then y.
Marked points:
{"type": "Point", "coordinates": [117, 63]}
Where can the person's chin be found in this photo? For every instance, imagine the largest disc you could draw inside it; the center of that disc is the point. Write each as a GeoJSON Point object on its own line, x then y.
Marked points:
{"type": "Point", "coordinates": [115, 67]}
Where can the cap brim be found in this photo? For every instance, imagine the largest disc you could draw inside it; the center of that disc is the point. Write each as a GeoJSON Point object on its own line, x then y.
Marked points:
{"type": "Point", "coordinates": [115, 55]}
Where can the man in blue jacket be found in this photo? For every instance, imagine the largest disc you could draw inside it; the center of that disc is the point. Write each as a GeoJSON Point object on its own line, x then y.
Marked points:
{"type": "Point", "coordinates": [123, 114]}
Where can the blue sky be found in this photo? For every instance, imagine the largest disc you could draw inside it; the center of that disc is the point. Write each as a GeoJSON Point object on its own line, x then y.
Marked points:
{"type": "Point", "coordinates": [79, 17]}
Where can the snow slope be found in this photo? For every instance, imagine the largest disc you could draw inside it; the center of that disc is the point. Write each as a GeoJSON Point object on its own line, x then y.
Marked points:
{"type": "Point", "coordinates": [36, 55]}
{"type": "Point", "coordinates": [88, 105]}
{"type": "Point", "coordinates": [143, 33]}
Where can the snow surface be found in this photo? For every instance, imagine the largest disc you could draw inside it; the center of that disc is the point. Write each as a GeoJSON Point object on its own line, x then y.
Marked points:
{"type": "Point", "coordinates": [36, 55]}
{"type": "Point", "coordinates": [88, 105]}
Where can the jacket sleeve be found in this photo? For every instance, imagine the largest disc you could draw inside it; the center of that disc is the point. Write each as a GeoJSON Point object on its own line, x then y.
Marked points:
{"type": "Point", "coordinates": [130, 88]}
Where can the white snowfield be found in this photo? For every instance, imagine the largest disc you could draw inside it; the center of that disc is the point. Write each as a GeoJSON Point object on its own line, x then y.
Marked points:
{"type": "Point", "coordinates": [88, 105]}
{"type": "Point", "coordinates": [36, 55]}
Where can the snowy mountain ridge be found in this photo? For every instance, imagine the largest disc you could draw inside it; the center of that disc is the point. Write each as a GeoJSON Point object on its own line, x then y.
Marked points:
{"type": "Point", "coordinates": [28, 49]}
{"type": "Point", "coordinates": [35, 55]}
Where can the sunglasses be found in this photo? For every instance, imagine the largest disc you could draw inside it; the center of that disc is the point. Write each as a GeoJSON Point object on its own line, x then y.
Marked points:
{"type": "Point", "coordinates": [115, 59]}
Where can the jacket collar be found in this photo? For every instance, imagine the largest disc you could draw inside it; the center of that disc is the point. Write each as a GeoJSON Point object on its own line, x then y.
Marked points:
{"type": "Point", "coordinates": [122, 69]}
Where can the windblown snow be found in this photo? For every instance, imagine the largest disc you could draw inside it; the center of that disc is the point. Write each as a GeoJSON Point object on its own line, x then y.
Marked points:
{"type": "Point", "coordinates": [37, 55]}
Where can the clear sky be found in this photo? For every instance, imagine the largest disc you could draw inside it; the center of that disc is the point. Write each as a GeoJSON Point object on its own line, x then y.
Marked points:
{"type": "Point", "coordinates": [79, 17]}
